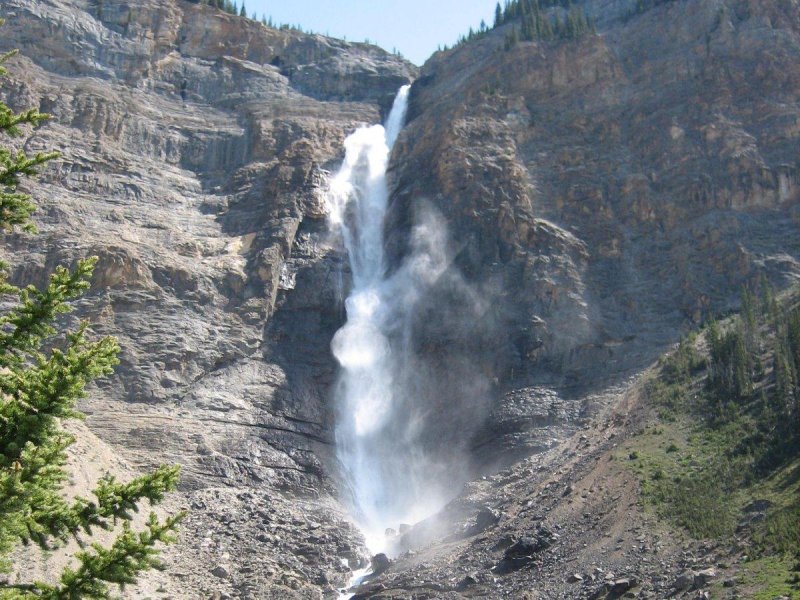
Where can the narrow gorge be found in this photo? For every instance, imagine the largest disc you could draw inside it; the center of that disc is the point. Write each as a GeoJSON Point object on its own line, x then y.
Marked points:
{"type": "Point", "coordinates": [423, 351]}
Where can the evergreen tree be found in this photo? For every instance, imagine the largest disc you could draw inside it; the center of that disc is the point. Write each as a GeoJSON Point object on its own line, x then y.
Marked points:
{"type": "Point", "coordinates": [785, 378]}
{"type": "Point", "coordinates": [498, 15]}
{"type": "Point", "coordinates": [546, 29]}
{"type": "Point", "coordinates": [41, 379]}
{"type": "Point", "coordinates": [730, 369]}
{"type": "Point", "coordinates": [793, 338]}
{"type": "Point", "coordinates": [749, 310]}
{"type": "Point", "coordinates": [770, 302]}
{"type": "Point", "coordinates": [512, 39]}
{"type": "Point", "coordinates": [243, 10]}
{"type": "Point", "coordinates": [537, 24]}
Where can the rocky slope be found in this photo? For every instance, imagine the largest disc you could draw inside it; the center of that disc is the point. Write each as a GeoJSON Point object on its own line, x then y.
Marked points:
{"type": "Point", "coordinates": [599, 196]}
{"type": "Point", "coordinates": [602, 196]}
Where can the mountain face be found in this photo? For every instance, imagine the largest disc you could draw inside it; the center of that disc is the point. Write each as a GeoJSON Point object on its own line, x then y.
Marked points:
{"type": "Point", "coordinates": [194, 144]}
{"type": "Point", "coordinates": [607, 194]}
{"type": "Point", "coordinates": [596, 198]}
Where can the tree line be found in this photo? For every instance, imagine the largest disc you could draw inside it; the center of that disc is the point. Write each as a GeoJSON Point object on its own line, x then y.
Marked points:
{"type": "Point", "coordinates": [536, 23]}
{"type": "Point", "coordinates": [752, 375]}
{"type": "Point", "coordinates": [533, 20]}
{"type": "Point", "coordinates": [755, 361]}
{"type": "Point", "coordinates": [232, 7]}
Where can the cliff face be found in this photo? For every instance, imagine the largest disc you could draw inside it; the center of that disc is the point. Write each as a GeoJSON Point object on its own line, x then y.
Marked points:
{"type": "Point", "coordinates": [613, 191]}
{"type": "Point", "coordinates": [193, 145]}
{"type": "Point", "coordinates": [600, 197]}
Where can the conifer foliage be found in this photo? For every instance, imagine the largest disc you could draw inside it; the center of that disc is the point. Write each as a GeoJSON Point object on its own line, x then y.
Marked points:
{"type": "Point", "coordinates": [231, 7]}
{"type": "Point", "coordinates": [16, 208]}
{"type": "Point", "coordinates": [42, 376]}
{"type": "Point", "coordinates": [567, 22]}
{"type": "Point", "coordinates": [754, 364]}
{"type": "Point", "coordinates": [536, 20]}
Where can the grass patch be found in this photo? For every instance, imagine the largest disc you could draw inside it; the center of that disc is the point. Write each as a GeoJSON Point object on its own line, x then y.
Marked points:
{"type": "Point", "coordinates": [770, 577]}
{"type": "Point", "coordinates": [781, 531]}
{"type": "Point", "coordinates": [699, 479]}
{"type": "Point", "coordinates": [698, 504]}
{"type": "Point", "coordinates": [721, 454]}
{"type": "Point", "coordinates": [691, 487]}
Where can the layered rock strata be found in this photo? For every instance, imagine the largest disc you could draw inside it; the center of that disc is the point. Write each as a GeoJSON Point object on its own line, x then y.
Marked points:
{"type": "Point", "coordinates": [194, 144]}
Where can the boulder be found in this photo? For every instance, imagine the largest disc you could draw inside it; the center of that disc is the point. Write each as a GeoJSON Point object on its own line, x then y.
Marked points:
{"type": "Point", "coordinates": [380, 563]}
{"type": "Point", "coordinates": [485, 518]}
{"type": "Point", "coordinates": [704, 577]}
{"type": "Point", "coordinates": [221, 571]}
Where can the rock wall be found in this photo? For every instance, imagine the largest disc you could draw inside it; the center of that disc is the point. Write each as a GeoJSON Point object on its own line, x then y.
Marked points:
{"type": "Point", "coordinates": [193, 146]}
{"type": "Point", "coordinates": [613, 191]}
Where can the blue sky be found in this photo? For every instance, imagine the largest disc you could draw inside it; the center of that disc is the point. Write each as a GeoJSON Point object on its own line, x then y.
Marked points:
{"type": "Point", "coordinates": [414, 27]}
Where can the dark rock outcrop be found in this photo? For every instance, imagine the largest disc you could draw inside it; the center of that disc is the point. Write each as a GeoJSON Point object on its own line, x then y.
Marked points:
{"type": "Point", "coordinates": [606, 194]}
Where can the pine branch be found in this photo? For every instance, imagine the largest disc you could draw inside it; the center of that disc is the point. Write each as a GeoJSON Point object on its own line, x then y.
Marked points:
{"type": "Point", "coordinates": [13, 166]}
{"type": "Point", "coordinates": [27, 486]}
{"type": "Point", "coordinates": [6, 56]}
{"type": "Point", "coordinates": [10, 122]}
{"type": "Point", "coordinates": [118, 500]}
{"type": "Point", "coordinates": [32, 508]}
{"type": "Point", "coordinates": [16, 210]}
{"type": "Point", "coordinates": [130, 554]}
{"type": "Point", "coordinates": [50, 389]}
{"type": "Point", "coordinates": [22, 329]}
{"type": "Point", "coordinates": [115, 501]}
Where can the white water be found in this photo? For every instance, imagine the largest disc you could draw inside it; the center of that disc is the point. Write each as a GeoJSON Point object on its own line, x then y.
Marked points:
{"type": "Point", "coordinates": [383, 467]}
{"type": "Point", "coordinates": [356, 578]}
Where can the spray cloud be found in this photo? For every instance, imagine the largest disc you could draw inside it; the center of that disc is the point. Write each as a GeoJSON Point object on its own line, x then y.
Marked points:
{"type": "Point", "coordinates": [408, 396]}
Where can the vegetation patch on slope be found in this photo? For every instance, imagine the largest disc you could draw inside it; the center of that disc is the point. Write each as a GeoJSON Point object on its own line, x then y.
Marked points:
{"type": "Point", "coordinates": [720, 457]}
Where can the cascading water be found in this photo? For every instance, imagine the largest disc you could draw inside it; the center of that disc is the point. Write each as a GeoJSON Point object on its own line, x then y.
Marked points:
{"type": "Point", "coordinates": [416, 352]}
{"type": "Point", "coordinates": [375, 442]}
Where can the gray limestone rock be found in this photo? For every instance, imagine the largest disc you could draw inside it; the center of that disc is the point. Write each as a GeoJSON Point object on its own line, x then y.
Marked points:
{"type": "Point", "coordinates": [194, 145]}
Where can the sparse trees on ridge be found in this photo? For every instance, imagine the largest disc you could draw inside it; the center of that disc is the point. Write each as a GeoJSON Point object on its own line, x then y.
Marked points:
{"type": "Point", "coordinates": [533, 20]}
{"type": "Point", "coordinates": [232, 7]}
{"type": "Point", "coordinates": [758, 351]}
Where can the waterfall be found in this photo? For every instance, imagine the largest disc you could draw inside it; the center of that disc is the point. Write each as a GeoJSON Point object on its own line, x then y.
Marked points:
{"type": "Point", "coordinates": [375, 442]}
{"type": "Point", "coordinates": [414, 351]}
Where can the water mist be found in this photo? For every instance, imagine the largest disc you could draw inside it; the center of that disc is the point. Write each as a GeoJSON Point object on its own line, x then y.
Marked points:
{"type": "Point", "coordinates": [383, 467]}
{"type": "Point", "coordinates": [410, 394]}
